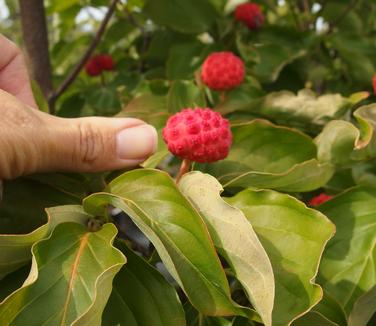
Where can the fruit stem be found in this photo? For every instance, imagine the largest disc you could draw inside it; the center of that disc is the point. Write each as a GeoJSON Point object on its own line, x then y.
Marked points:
{"type": "Point", "coordinates": [222, 97]}
{"type": "Point", "coordinates": [184, 168]}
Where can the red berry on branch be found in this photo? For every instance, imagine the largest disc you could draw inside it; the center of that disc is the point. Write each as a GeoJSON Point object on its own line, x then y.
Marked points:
{"type": "Point", "coordinates": [320, 199]}
{"type": "Point", "coordinates": [222, 71]}
{"type": "Point", "coordinates": [98, 63]}
{"type": "Point", "coordinates": [92, 68]}
{"type": "Point", "coordinates": [199, 135]}
{"type": "Point", "coordinates": [250, 14]}
{"type": "Point", "coordinates": [106, 62]}
{"type": "Point", "coordinates": [374, 84]}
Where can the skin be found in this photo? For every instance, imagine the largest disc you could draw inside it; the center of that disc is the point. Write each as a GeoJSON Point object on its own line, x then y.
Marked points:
{"type": "Point", "coordinates": [32, 141]}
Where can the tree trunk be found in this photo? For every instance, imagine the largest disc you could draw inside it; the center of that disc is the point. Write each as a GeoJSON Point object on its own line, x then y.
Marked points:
{"type": "Point", "coordinates": [35, 36]}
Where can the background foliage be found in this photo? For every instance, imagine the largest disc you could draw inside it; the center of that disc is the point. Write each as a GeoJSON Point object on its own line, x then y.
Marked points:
{"type": "Point", "coordinates": [303, 123]}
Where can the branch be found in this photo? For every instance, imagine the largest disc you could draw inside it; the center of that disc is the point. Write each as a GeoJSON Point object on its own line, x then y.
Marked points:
{"type": "Point", "coordinates": [34, 31]}
{"type": "Point", "coordinates": [76, 70]}
{"type": "Point", "coordinates": [342, 15]}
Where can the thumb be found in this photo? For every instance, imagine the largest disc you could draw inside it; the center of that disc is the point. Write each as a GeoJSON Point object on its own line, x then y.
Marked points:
{"type": "Point", "coordinates": [95, 144]}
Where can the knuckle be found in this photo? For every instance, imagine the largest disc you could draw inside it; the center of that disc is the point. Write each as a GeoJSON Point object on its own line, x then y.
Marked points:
{"type": "Point", "coordinates": [90, 145]}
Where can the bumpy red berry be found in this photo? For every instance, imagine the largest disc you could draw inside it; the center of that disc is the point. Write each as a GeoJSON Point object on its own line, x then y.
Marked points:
{"type": "Point", "coordinates": [320, 199]}
{"type": "Point", "coordinates": [199, 135]}
{"type": "Point", "coordinates": [222, 71]}
{"type": "Point", "coordinates": [98, 63]}
{"type": "Point", "coordinates": [374, 84]}
{"type": "Point", "coordinates": [249, 14]}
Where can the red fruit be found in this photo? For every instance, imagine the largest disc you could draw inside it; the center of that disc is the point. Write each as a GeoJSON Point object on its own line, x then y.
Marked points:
{"type": "Point", "coordinates": [106, 62]}
{"type": "Point", "coordinates": [250, 14]}
{"type": "Point", "coordinates": [199, 135]}
{"type": "Point", "coordinates": [98, 63]}
{"type": "Point", "coordinates": [92, 68]}
{"type": "Point", "coordinates": [222, 71]}
{"type": "Point", "coordinates": [320, 199]}
{"type": "Point", "coordinates": [374, 84]}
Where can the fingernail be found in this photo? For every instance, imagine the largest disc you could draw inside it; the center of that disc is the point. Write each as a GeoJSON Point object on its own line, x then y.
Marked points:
{"type": "Point", "coordinates": [137, 142]}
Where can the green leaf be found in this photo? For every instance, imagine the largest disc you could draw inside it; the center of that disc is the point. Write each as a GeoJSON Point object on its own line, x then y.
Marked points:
{"type": "Point", "coordinates": [153, 201]}
{"type": "Point", "coordinates": [148, 107]}
{"type": "Point", "coordinates": [194, 16]}
{"type": "Point", "coordinates": [269, 156]}
{"type": "Point", "coordinates": [57, 5]}
{"type": "Point", "coordinates": [105, 100]}
{"type": "Point", "coordinates": [305, 106]}
{"type": "Point", "coordinates": [16, 218]}
{"type": "Point", "coordinates": [13, 281]}
{"type": "Point", "coordinates": [184, 94]}
{"type": "Point", "coordinates": [70, 279]}
{"type": "Point", "coordinates": [294, 238]}
{"type": "Point", "coordinates": [331, 310]}
{"type": "Point", "coordinates": [340, 142]}
{"type": "Point", "coordinates": [271, 49]}
{"type": "Point", "coordinates": [141, 296]}
{"type": "Point", "coordinates": [363, 309]}
{"type": "Point", "coordinates": [313, 318]}
{"type": "Point", "coordinates": [184, 59]}
{"type": "Point", "coordinates": [244, 252]}
{"type": "Point", "coordinates": [348, 267]}
{"type": "Point", "coordinates": [336, 142]}
{"type": "Point", "coordinates": [15, 249]}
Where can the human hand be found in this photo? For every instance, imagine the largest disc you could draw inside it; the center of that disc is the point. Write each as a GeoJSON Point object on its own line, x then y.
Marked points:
{"type": "Point", "coordinates": [33, 141]}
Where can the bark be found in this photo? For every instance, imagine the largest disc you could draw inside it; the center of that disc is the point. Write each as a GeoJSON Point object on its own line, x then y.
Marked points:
{"type": "Point", "coordinates": [35, 36]}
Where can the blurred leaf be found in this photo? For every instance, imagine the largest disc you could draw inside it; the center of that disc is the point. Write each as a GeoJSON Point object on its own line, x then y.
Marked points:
{"type": "Point", "coordinates": [364, 308]}
{"type": "Point", "coordinates": [62, 273]}
{"type": "Point", "coordinates": [57, 5]}
{"type": "Point", "coordinates": [105, 100]}
{"type": "Point", "coordinates": [194, 16]}
{"type": "Point", "coordinates": [148, 107]}
{"type": "Point", "coordinates": [15, 249]}
{"type": "Point", "coordinates": [244, 253]}
{"type": "Point", "coordinates": [72, 106]}
{"type": "Point", "coordinates": [184, 94]}
{"type": "Point", "coordinates": [348, 267]}
{"type": "Point", "coordinates": [153, 201]}
{"type": "Point", "coordinates": [294, 238]}
{"type": "Point", "coordinates": [184, 59]}
{"type": "Point", "coordinates": [333, 11]}
{"type": "Point", "coordinates": [141, 296]}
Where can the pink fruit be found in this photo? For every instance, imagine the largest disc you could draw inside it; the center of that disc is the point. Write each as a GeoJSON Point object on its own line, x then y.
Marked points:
{"type": "Point", "coordinates": [199, 135]}
{"type": "Point", "coordinates": [222, 71]}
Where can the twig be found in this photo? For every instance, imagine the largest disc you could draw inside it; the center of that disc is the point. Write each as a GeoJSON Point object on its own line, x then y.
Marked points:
{"type": "Point", "coordinates": [342, 15]}
{"type": "Point", "coordinates": [295, 16]}
{"type": "Point", "coordinates": [76, 70]}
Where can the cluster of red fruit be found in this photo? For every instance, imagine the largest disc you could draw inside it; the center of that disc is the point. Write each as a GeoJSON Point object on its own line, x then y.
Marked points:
{"type": "Point", "coordinates": [202, 135]}
{"type": "Point", "coordinates": [98, 63]}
